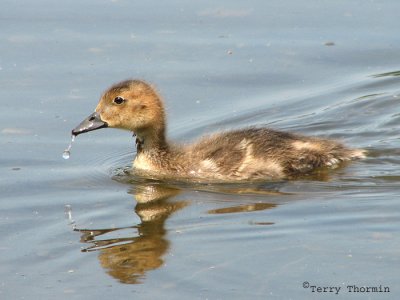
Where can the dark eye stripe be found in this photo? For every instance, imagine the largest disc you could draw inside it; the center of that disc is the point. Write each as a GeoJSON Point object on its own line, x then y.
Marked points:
{"type": "Point", "coordinates": [119, 100]}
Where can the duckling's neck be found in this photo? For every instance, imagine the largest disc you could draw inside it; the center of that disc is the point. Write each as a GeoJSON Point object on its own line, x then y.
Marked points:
{"type": "Point", "coordinates": [151, 140]}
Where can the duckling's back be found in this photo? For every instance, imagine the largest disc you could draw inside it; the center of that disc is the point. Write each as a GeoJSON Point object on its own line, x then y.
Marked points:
{"type": "Point", "coordinates": [261, 153]}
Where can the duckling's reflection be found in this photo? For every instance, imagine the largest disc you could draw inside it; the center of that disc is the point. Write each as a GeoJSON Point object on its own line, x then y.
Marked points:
{"type": "Point", "coordinates": [128, 259]}
{"type": "Point", "coordinates": [242, 208]}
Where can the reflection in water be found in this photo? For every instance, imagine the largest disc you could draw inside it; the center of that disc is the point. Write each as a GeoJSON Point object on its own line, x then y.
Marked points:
{"type": "Point", "coordinates": [128, 259]}
{"type": "Point", "coordinates": [142, 247]}
{"type": "Point", "coordinates": [242, 208]}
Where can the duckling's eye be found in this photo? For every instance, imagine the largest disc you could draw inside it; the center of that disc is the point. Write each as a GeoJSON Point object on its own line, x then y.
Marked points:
{"type": "Point", "coordinates": [119, 100]}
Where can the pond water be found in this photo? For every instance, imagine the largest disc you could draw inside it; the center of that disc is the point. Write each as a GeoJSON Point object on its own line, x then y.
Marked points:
{"type": "Point", "coordinates": [82, 229]}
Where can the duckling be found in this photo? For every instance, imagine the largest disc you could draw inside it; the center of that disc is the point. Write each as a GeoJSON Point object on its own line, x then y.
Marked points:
{"type": "Point", "coordinates": [253, 153]}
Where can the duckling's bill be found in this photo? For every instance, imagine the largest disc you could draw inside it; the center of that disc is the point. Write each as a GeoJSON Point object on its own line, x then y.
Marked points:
{"type": "Point", "coordinates": [92, 122]}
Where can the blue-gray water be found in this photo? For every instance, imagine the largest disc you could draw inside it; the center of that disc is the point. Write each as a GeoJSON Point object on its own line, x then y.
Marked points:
{"type": "Point", "coordinates": [323, 68]}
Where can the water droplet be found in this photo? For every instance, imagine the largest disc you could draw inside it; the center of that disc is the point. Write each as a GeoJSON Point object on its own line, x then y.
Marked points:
{"type": "Point", "coordinates": [68, 215]}
{"type": "Point", "coordinates": [67, 152]}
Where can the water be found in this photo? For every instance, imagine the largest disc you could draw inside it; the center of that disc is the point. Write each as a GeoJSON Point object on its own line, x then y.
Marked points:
{"type": "Point", "coordinates": [82, 229]}
{"type": "Point", "coordinates": [67, 152]}
{"type": "Point", "coordinates": [68, 215]}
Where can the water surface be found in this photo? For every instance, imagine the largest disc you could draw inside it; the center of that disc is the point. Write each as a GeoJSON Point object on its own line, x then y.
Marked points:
{"type": "Point", "coordinates": [327, 69]}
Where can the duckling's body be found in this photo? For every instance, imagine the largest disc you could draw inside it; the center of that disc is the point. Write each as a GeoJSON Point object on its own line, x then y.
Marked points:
{"type": "Point", "coordinates": [247, 154]}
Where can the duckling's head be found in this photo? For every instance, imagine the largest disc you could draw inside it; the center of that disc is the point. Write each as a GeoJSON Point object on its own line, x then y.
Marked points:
{"type": "Point", "coordinates": [132, 105]}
